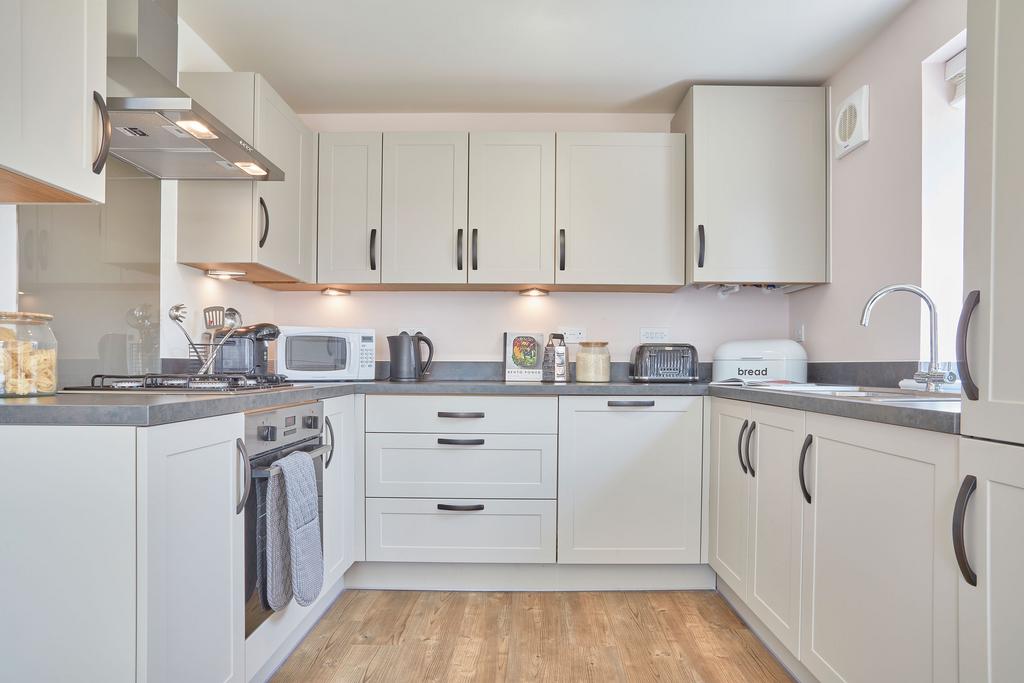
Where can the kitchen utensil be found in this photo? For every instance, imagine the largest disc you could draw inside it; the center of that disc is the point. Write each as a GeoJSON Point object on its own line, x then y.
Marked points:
{"type": "Point", "coordinates": [213, 316]}
{"type": "Point", "coordinates": [555, 364]}
{"type": "Point", "coordinates": [232, 322]}
{"type": "Point", "coordinates": [406, 357]}
{"type": "Point", "coordinates": [664, 363]}
{"type": "Point", "coordinates": [179, 313]}
{"type": "Point", "coordinates": [229, 311]}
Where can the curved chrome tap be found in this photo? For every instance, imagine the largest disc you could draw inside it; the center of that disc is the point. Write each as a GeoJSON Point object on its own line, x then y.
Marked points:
{"type": "Point", "coordinates": [934, 376]}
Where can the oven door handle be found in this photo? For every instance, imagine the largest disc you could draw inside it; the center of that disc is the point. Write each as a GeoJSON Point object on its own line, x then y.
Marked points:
{"type": "Point", "coordinates": [249, 474]}
{"type": "Point", "coordinates": [267, 472]}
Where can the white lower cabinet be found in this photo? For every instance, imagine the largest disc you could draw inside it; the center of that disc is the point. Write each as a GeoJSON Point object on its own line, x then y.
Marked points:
{"type": "Point", "coordinates": [460, 530]}
{"type": "Point", "coordinates": [341, 525]}
{"type": "Point", "coordinates": [756, 520]}
{"type": "Point", "coordinates": [191, 559]}
{"type": "Point", "coordinates": [879, 576]}
{"type": "Point", "coordinates": [629, 485]}
{"type": "Point", "coordinates": [991, 607]}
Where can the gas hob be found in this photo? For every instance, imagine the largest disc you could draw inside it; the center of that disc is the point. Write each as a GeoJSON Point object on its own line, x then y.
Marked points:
{"type": "Point", "coordinates": [223, 383]}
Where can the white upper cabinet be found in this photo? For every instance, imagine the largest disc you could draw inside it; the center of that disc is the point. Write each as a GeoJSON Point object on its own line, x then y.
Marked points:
{"type": "Point", "coordinates": [994, 225]}
{"type": "Point", "coordinates": [879, 575]}
{"type": "Point", "coordinates": [53, 73]}
{"type": "Point", "coordinates": [348, 224]}
{"type": "Point", "coordinates": [629, 479]}
{"type": "Point", "coordinates": [619, 209]}
{"type": "Point", "coordinates": [987, 520]}
{"type": "Point", "coordinates": [265, 228]}
{"type": "Point", "coordinates": [756, 175]}
{"type": "Point", "coordinates": [512, 208]}
{"type": "Point", "coordinates": [424, 208]}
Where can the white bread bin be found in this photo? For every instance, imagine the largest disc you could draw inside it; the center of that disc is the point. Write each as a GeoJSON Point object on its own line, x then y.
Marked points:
{"type": "Point", "coordinates": [760, 359]}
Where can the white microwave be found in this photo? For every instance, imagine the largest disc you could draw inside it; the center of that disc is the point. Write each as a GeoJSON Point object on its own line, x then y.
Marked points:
{"type": "Point", "coordinates": [324, 354]}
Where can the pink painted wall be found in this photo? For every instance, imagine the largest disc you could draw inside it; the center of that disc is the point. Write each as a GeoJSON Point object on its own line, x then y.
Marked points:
{"type": "Point", "coordinates": [876, 197]}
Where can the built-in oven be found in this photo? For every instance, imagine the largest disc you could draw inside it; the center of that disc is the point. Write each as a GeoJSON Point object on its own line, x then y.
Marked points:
{"type": "Point", "coordinates": [269, 436]}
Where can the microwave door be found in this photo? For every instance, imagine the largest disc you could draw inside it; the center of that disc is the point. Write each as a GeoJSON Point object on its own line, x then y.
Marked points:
{"type": "Point", "coordinates": [317, 356]}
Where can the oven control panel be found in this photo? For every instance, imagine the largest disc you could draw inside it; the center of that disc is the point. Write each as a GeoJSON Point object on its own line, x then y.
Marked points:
{"type": "Point", "coordinates": [280, 426]}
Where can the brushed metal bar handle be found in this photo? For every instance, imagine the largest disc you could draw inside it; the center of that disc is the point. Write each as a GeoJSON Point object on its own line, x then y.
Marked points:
{"type": "Point", "coordinates": [561, 249]}
{"type": "Point", "coordinates": [244, 455]}
{"type": "Point", "coordinates": [963, 363]}
{"type": "Point", "coordinates": [739, 445]}
{"type": "Point", "coordinates": [266, 223]}
{"type": "Point", "coordinates": [800, 468]}
{"type": "Point", "coordinates": [750, 433]}
{"type": "Point", "coordinates": [458, 249]}
{"type": "Point", "coordinates": [460, 508]}
{"type": "Point", "coordinates": [967, 488]}
{"type": "Point", "coordinates": [700, 246]}
{"type": "Point", "coordinates": [106, 132]}
{"type": "Point", "coordinates": [444, 413]}
{"type": "Point", "coordinates": [473, 246]}
{"type": "Point", "coordinates": [330, 430]}
{"type": "Point", "coordinates": [373, 249]}
{"type": "Point", "coordinates": [630, 404]}
{"type": "Point", "coordinates": [460, 442]}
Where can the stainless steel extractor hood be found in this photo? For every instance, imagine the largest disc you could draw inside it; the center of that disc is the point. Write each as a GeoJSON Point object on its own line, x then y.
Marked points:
{"type": "Point", "coordinates": [155, 126]}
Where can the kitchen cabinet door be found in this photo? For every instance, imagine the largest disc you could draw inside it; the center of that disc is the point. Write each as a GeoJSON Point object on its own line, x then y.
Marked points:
{"type": "Point", "coordinates": [266, 229]}
{"type": "Point", "coordinates": [348, 224]}
{"type": "Point", "coordinates": [424, 208]}
{"type": "Point", "coordinates": [773, 445]}
{"type": "Point", "coordinates": [990, 610]}
{"type": "Point", "coordinates": [756, 184]}
{"type": "Point", "coordinates": [629, 479]}
{"type": "Point", "coordinates": [340, 477]}
{"type": "Point", "coordinates": [879, 575]}
{"type": "Point", "coordinates": [728, 545]}
{"type": "Point", "coordinates": [53, 72]}
{"type": "Point", "coordinates": [620, 209]}
{"type": "Point", "coordinates": [69, 553]}
{"type": "Point", "coordinates": [994, 216]}
{"type": "Point", "coordinates": [191, 551]}
{"type": "Point", "coordinates": [512, 208]}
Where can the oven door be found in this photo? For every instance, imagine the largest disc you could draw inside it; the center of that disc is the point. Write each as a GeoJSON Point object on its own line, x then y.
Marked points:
{"type": "Point", "coordinates": [256, 609]}
{"type": "Point", "coordinates": [318, 355]}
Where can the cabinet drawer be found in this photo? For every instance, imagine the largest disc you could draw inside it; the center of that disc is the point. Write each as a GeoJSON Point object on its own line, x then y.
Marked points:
{"type": "Point", "coordinates": [454, 466]}
{"type": "Point", "coordinates": [417, 530]}
{"type": "Point", "coordinates": [463, 414]}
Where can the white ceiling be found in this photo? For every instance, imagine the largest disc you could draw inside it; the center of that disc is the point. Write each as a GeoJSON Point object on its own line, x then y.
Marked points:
{"type": "Point", "coordinates": [529, 55]}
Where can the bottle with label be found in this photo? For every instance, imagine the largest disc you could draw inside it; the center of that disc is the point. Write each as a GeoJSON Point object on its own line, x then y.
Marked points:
{"type": "Point", "coordinates": [556, 360]}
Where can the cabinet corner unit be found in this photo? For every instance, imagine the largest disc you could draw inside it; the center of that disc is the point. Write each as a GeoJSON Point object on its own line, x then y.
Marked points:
{"type": "Point", "coordinates": [266, 229]}
{"type": "Point", "coordinates": [756, 184]}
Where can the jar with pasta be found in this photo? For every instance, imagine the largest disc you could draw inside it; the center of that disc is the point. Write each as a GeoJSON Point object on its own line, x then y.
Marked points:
{"type": "Point", "coordinates": [28, 355]}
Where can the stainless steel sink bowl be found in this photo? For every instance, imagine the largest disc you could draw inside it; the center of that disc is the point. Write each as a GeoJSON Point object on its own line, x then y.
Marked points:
{"type": "Point", "coordinates": [873, 395]}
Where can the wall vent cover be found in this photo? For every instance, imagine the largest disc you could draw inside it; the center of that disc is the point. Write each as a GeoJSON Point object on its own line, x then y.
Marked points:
{"type": "Point", "coordinates": [851, 126]}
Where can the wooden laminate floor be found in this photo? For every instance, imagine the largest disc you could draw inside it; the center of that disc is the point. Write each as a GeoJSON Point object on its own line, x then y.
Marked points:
{"type": "Point", "coordinates": [601, 637]}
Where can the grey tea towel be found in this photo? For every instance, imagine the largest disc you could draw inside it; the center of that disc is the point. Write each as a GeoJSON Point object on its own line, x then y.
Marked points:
{"type": "Point", "coordinates": [274, 561]}
{"type": "Point", "coordinates": [307, 559]}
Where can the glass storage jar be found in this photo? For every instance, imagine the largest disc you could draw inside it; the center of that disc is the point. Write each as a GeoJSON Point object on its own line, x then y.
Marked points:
{"type": "Point", "coordinates": [28, 355]}
{"type": "Point", "coordinates": [593, 362]}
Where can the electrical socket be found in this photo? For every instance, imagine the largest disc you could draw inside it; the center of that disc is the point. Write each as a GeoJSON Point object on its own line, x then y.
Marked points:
{"type": "Point", "coordinates": [573, 335]}
{"type": "Point", "coordinates": [413, 329]}
{"type": "Point", "coordinates": [653, 335]}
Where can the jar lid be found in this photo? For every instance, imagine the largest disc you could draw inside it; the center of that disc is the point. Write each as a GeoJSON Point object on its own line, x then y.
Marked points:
{"type": "Point", "coordinates": [24, 317]}
{"type": "Point", "coordinates": [593, 344]}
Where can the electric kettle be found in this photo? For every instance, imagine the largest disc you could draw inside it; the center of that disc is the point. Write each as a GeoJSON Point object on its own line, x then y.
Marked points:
{"type": "Point", "coordinates": [406, 362]}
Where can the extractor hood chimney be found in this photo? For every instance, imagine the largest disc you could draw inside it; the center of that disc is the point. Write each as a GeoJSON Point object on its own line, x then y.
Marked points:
{"type": "Point", "coordinates": [156, 127]}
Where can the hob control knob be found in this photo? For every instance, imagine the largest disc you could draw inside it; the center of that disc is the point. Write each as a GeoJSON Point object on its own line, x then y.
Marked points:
{"type": "Point", "coordinates": [266, 433]}
{"type": "Point", "coordinates": [311, 422]}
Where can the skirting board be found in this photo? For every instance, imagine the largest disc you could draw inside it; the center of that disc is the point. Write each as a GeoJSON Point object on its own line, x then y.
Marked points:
{"type": "Point", "coordinates": [301, 631]}
{"type": "Point", "coordinates": [774, 645]}
{"type": "Point", "coordinates": [444, 576]}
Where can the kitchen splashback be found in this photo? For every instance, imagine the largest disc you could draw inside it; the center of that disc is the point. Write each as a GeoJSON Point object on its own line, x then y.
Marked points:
{"type": "Point", "coordinates": [97, 270]}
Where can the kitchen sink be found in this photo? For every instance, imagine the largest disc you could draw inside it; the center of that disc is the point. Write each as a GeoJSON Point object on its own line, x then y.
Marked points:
{"type": "Point", "coordinates": [890, 395]}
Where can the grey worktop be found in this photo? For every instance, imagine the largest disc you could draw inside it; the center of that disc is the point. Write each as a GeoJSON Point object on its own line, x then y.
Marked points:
{"type": "Point", "coordinates": [144, 410]}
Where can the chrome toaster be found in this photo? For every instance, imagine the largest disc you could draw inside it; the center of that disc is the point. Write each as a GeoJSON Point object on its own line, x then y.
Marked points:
{"type": "Point", "coordinates": [664, 363]}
